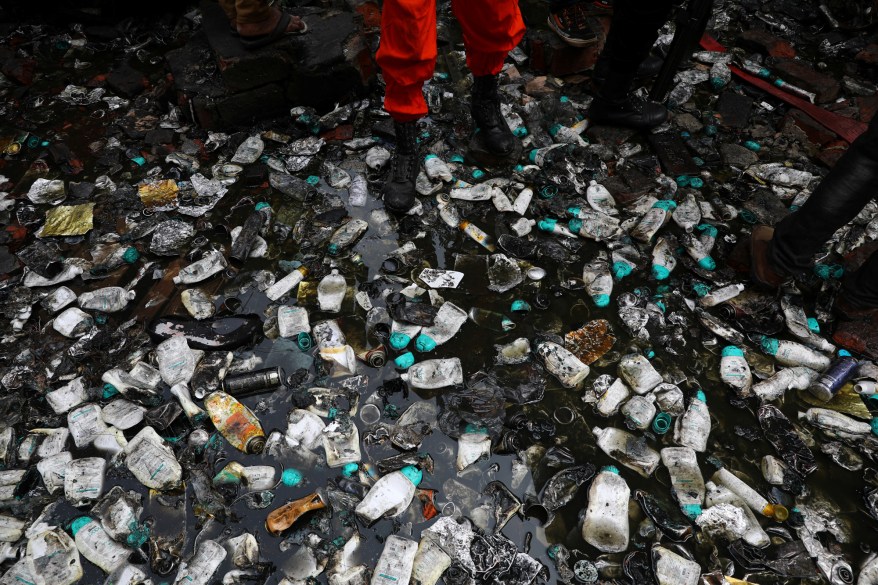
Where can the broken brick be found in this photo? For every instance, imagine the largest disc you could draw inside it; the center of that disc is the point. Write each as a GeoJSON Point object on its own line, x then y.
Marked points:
{"type": "Point", "coordinates": [816, 134]}
{"type": "Point", "coordinates": [868, 55]}
{"type": "Point", "coordinates": [765, 43]}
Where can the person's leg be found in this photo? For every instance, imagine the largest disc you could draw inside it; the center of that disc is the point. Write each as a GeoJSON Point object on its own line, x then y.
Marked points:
{"type": "Point", "coordinates": [839, 197]}
{"type": "Point", "coordinates": [491, 28]}
{"type": "Point", "coordinates": [633, 31]}
{"type": "Point", "coordinates": [406, 56]}
{"type": "Point", "coordinates": [860, 288]}
{"type": "Point", "coordinates": [228, 7]}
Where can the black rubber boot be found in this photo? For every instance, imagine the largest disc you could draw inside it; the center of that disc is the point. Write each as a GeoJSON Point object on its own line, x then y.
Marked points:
{"type": "Point", "coordinates": [399, 190]}
{"type": "Point", "coordinates": [648, 68]}
{"type": "Point", "coordinates": [615, 106]}
{"type": "Point", "coordinates": [492, 128]}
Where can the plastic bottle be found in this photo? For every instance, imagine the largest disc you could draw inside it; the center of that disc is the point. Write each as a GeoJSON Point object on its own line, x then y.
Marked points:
{"type": "Point", "coordinates": [249, 150]}
{"type": "Point", "coordinates": [256, 222]}
{"type": "Point", "coordinates": [448, 321]}
{"type": "Point", "coordinates": [286, 284]}
{"type": "Point", "coordinates": [436, 168]}
{"type": "Point", "coordinates": [836, 424]}
{"type": "Point", "coordinates": [639, 411]}
{"type": "Point", "coordinates": [697, 252]}
{"type": "Point", "coordinates": [601, 199]}
{"type": "Point", "coordinates": [831, 381]}
{"type": "Point", "coordinates": [211, 263]}
{"type": "Point", "coordinates": [724, 477]}
{"type": "Point", "coordinates": [721, 295]}
{"type": "Point", "coordinates": [430, 562]}
{"type": "Point", "coordinates": [200, 568]}
{"type": "Point", "coordinates": [775, 386]}
{"type": "Point", "coordinates": [552, 226]}
{"type": "Point", "coordinates": [433, 374]}
{"type": "Point", "coordinates": [693, 428]}
{"type": "Point", "coordinates": [630, 451]}
{"type": "Point", "coordinates": [85, 424]}
{"type": "Point", "coordinates": [152, 461]}
{"type": "Point", "coordinates": [561, 363]}
{"type": "Point", "coordinates": [52, 558]}
{"type": "Point", "coordinates": [625, 260]}
{"type": "Point", "coordinates": [193, 412]}
{"type": "Point", "coordinates": [638, 373]}
{"type": "Point", "coordinates": [663, 260]}
{"type": "Point", "coordinates": [84, 480]}
{"type": "Point", "coordinates": [346, 236]}
{"type": "Point", "coordinates": [522, 201]}
{"type": "Point", "coordinates": [672, 569]}
{"type": "Point", "coordinates": [734, 370]}
{"type": "Point", "coordinates": [395, 564]}
{"type": "Point", "coordinates": [686, 480]}
{"type": "Point", "coordinates": [341, 442]}
{"type": "Point", "coordinates": [478, 235]}
{"type": "Point", "coordinates": [598, 281]}
{"type": "Point", "coordinates": [653, 220]}
{"type": "Point", "coordinates": [109, 299]}
{"type": "Point", "coordinates": [292, 322]}
{"type": "Point", "coordinates": [331, 292]}
{"type": "Point", "coordinates": [606, 518]}
{"type": "Point", "coordinates": [593, 225]}
{"type": "Point", "coordinates": [176, 361]}
{"type": "Point", "coordinates": [790, 353]}
{"type": "Point", "coordinates": [687, 213]}
{"type": "Point", "coordinates": [753, 533]}
{"type": "Point", "coordinates": [235, 422]}
{"type": "Point", "coordinates": [73, 322]}
{"type": "Point", "coordinates": [390, 495]}
{"type": "Point", "coordinates": [472, 445]}
{"type": "Point", "coordinates": [720, 75]}
{"type": "Point", "coordinates": [96, 545]}
{"type": "Point", "coordinates": [608, 403]}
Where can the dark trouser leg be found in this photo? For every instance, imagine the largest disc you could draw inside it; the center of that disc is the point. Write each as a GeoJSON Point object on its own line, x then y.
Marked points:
{"type": "Point", "coordinates": [839, 197]}
{"type": "Point", "coordinates": [861, 287]}
{"type": "Point", "coordinates": [633, 31]}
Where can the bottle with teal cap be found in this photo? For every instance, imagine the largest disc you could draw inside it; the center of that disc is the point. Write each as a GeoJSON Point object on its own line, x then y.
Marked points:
{"type": "Point", "coordinates": [346, 236]}
{"type": "Point", "coordinates": [257, 222]}
{"type": "Point", "coordinates": [707, 236]}
{"type": "Point", "coordinates": [402, 333]}
{"type": "Point", "coordinates": [605, 526]}
{"type": "Point", "coordinates": [593, 225]}
{"type": "Point", "coordinates": [653, 220]}
{"type": "Point", "coordinates": [693, 428]}
{"type": "Point", "coordinates": [598, 281]}
{"type": "Point", "coordinates": [721, 295]}
{"type": "Point", "coordinates": [553, 226]}
{"type": "Point", "coordinates": [436, 168]}
{"type": "Point", "coordinates": [734, 370]}
{"type": "Point", "coordinates": [790, 353]}
{"type": "Point", "coordinates": [96, 545]}
{"type": "Point", "coordinates": [639, 411]}
{"type": "Point", "coordinates": [686, 480]}
{"type": "Point", "coordinates": [447, 322]}
{"type": "Point", "coordinates": [600, 199]}
{"type": "Point", "coordinates": [663, 259]}
{"type": "Point", "coordinates": [697, 252]}
{"type": "Point", "coordinates": [625, 259]}
{"type": "Point", "coordinates": [390, 495]}
{"type": "Point", "coordinates": [473, 445]}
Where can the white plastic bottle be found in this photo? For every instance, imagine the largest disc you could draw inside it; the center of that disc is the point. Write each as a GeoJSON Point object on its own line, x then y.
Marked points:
{"type": "Point", "coordinates": [561, 363]}
{"type": "Point", "coordinates": [734, 370]}
{"type": "Point", "coordinates": [663, 260]}
{"type": "Point", "coordinates": [639, 411]}
{"type": "Point", "coordinates": [396, 562]}
{"type": "Point", "coordinates": [615, 395]}
{"type": "Point", "coordinates": [153, 462]}
{"type": "Point", "coordinates": [209, 264]}
{"type": "Point", "coordinates": [753, 532]}
{"type": "Point", "coordinates": [653, 220]}
{"type": "Point", "coordinates": [286, 284]}
{"type": "Point", "coordinates": [430, 562]}
{"type": "Point", "coordinates": [606, 519]}
{"type": "Point", "coordinates": [790, 353]}
{"type": "Point", "coordinates": [693, 428]}
{"type": "Point", "coordinates": [687, 214]}
{"type": "Point", "coordinates": [436, 168]}
{"type": "Point", "coordinates": [448, 321]}
{"type": "Point", "coordinates": [176, 361]}
{"type": "Point", "coordinates": [109, 299]}
{"type": "Point", "coordinates": [598, 280]}
{"type": "Point", "coordinates": [686, 480]}
{"type": "Point", "coordinates": [627, 449]}
{"type": "Point", "coordinates": [331, 292]}
{"type": "Point", "coordinates": [390, 495]}
{"type": "Point", "coordinates": [200, 568]}
{"type": "Point", "coordinates": [638, 373]}
{"type": "Point", "coordinates": [433, 374]}
{"type": "Point", "coordinates": [601, 199]}
{"type": "Point", "coordinates": [84, 480]}
{"type": "Point", "coordinates": [96, 545]}
{"type": "Point", "coordinates": [725, 478]}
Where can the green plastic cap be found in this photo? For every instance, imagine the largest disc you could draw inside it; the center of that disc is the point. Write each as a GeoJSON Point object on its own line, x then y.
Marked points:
{"type": "Point", "coordinates": [547, 224]}
{"type": "Point", "coordinates": [665, 204]}
{"type": "Point", "coordinates": [844, 353]}
{"type": "Point", "coordinates": [350, 469]}
{"type": "Point", "coordinates": [78, 523]}
{"type": "Point", "coordinates": [770, 345]}
{"type": "Point", "coordinates": [732, 351]}
{"type": "Point", "coordinates": [692, 511]}
{"type": "Point", "coordinates": [413, 474]}
{"type": "Point", "coordinates": [610, 469]}
{"type": "Point", "coordinates": [601, 300]}
{"type": "Point", "coordinates": [405, 361]}
{"type": "Point", "coordinates": [291, 477]}
{"type": "Point", "coordinates": [303, 340]}
{"type": "Point", "coordinates": [131, 255]}
{"type": "Point", "coordinates": [621, 269]}
{"type": "Point", "coordinates": [660, 272]}
{"type": "Point", "coordinates": [575, 225]}
{"type": "Point", "coordinates": [813, 325]}
{"type": "Point", "coordinates": [700, 396]}
{"type": "Point", "coordinates": [262, 205]}
{"type": "Point", "coordinates": [707, 263]}
{"type": "Point", "coordinates": [661, 423]}
{"type": "Point", "coordinates": [425, 343]}
{"type": "Point", "coordinates": [700, 289]}
{"type": "Point", "coordinates": [707, 229]}
{"type": "Point", "coordinates": [520, 306]}
{"type": "Point", "coordinates": [430, 156]}
{"type": "Point", "coordinates": [399, 340]}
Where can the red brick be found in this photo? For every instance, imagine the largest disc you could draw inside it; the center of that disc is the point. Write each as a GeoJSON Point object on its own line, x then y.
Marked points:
{"type": "Point", "coordinates": [816, 133]}
{"type": "Point", "coordinates": [766, 43]}
{"type": "Point", "coordinates": [830, 153]}
{"type": "Point", "coordinates": [868, 105]}
{"type": "Point", "coordinates": [803, 75]}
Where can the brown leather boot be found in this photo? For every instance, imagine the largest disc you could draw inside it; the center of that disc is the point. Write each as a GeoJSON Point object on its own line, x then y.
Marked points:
{"type": "Point", "coordinates": [285, 516]}
{"type": "Point", "coordinates": [761, 271]}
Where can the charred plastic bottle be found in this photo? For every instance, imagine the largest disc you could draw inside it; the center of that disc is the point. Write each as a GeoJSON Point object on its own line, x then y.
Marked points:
{"type": "Point", "coordinates": [255, 223]}
{"type": "Point", "coordinates": [235, 422]}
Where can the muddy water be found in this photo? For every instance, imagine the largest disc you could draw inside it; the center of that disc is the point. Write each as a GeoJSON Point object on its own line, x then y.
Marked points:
{"type": "Point", "coordinates": [735, 437]}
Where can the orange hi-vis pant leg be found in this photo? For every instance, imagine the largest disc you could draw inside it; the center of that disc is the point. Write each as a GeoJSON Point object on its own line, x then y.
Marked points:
{"type": "Point", "coordinates": [407, 55]}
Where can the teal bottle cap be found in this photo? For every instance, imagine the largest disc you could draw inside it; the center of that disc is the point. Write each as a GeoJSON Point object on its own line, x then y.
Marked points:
{"type": "Point", "coordinates": [732, 351]}
{"type": "Point", "coordinates": [574, 211]}
{"type": "Point", "coordinates": [520, 132]}
{"type": "Point", "coordinates": [814, 325]}
{"type": "Point", "coordinates": [350, 469]}
{"type": "Point", "coordinates": [770, 345]}
{"type": "Point", "coordinates": [700, 396]}
{"type": "Point", "coordinates": [601, 300]}
{"type": "Point", "coordinates": [621, 269]}
{"type": "Point", "coordinates": [707, 229]}
{"type": "Point", "coordinates": [707, 263]}
{"type": "Point", "coordinates": [696, 182]}
{"type": "Point", "coordinates": [430, 156]}
{"type": "Point", "coordinates": [131, 255]}
{"type": "Point", "coordinates": [700, 289]}
{"type": "Point", "coordinates": [666, 204]}
{"type": "Point", "coordinates": [332, 249]}
{"type": "Point", "coordinates": [303, 340]}
{"type": "Point", "coordinates": [874, 424]}
{"type": "Point", "coordinates": [425, 343]}
{"type": "Point", "coordinates": [660, 272]}
{"type": "Point", "coordinates": [457, 158]}
{"type": "Point", "coordinates": [291, 477]}
{"type": "Point", "coordinates": [413, 474]}
{"type": "Point", "coordinates": [661, 423]}
{"type": "Point", "coordinates": [844, 353]}
{"type": "Point", "coordinates": [262, 205]}
{"type": "Point", "coordinates": [78, 523]}
{"type": "Point", "coordinates": [520, 306]}
{"type": "Point", "coordinates": [610, 469]}
{"type": "Point", "coordinates": [683, 181]}
{"type": "Point", "coordinates": [554, 129]}
{"type": "Point", "coordinates": [313, 180]}
{"type": "Point", "coordinates": [692, 511]}
{"type": "Point", "coordinates": [399, 340]}
{"type": "Point", "coordinates": [532, 155]}
{"type": "Point", "coordinates": [405, 361]}
{"type": "Point", "coordinates": [547, 224]}
{"type": "Point", "coordinates": [109, 390]}
{"type": "Point", "coordinates": [575, 225]}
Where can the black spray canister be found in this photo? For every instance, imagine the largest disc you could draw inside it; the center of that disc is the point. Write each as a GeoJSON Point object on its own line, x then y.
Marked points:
{"type": "Point", "coordinates": [830, 382]}
{"type": "Point", "coordinates": [253, 382]}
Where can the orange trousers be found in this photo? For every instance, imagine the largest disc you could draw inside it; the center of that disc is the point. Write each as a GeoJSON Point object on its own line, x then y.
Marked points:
{"type": "Point", "coordinates": [407, 54]}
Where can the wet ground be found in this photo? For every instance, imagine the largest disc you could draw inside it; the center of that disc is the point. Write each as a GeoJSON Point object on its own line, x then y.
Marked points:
{"type": "Point", "coordinates": [682, 351]}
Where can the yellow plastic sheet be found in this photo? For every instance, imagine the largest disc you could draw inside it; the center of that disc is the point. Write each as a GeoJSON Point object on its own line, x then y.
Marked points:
{"type": "Point", "coordinates": [846, 402]}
